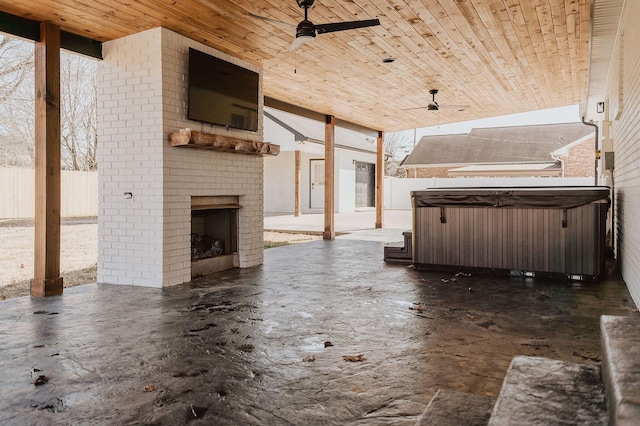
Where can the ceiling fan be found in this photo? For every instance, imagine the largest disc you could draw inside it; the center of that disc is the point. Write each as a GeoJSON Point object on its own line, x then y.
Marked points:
{"type": "Point", "coordinates": [307, 30]}
{"type": "Point", "coordinates": [434, 106]}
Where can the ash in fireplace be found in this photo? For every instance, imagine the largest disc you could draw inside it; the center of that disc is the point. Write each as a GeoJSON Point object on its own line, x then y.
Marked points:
{"type": "Point", "coordinates": [203, 247]}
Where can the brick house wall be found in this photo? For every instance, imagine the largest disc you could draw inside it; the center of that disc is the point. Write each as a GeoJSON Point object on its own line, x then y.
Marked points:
{"type": "Point", "coordinates": [580, 161]}
{"type": "Point", "coordinates": [429, 172]}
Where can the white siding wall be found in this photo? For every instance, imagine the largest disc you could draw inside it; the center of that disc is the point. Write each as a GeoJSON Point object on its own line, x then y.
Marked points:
{"type": "Point", "coordinates": [279, 180]}
{"type": "Point", "coordinates": [625, 133]}
{"type": "Point", "coordinates": [279, 172]}
{"type": "Point", "coordinates": [305, 178]}
{"type": "Point", "coordinates": [279, 183]}
{"type": "Point", "coordinates": [346, 181]}
{"type": "Point", "coordinates": [277, 134]}
{"type": "Point", "coordinates": [345, 175]}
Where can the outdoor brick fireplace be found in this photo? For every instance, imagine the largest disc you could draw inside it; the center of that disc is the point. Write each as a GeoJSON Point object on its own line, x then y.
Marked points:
{"type": "Point", "coordinates": [214, 234]}
{"type": "Point", "coordinates": [152, 194]}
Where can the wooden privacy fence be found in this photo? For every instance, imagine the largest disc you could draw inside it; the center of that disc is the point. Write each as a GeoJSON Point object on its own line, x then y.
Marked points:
{"type": "Point", "coordinates": [17, 193]}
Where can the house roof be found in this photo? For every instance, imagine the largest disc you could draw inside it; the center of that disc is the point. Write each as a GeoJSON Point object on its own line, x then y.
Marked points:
{"type": "Point", "coordinates": [519, 169]}
{"type": "Point", "coordinates": [307, 130]}
{"type": "Point", "coordinates": [495, 145]}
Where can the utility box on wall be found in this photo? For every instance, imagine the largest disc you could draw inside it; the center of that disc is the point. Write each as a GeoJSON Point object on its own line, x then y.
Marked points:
{"type": "Point", "coordinates": [529, 231]}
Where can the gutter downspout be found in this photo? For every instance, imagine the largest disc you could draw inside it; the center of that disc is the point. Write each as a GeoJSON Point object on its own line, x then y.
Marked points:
{"type": "Point", "coordinates": [595, 166]}
{"type": "Point", "coordinates": [613, 220]}
{"type": "Point", "coordinates": [561, 160]}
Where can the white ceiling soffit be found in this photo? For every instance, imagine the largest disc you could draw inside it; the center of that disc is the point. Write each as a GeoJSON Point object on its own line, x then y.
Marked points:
{"type": "Point", "coordinates": [605, 23]}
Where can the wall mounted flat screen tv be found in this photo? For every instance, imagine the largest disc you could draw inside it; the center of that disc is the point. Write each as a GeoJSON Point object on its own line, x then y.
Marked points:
{"type": "Point", "coordinates": [222, 93]}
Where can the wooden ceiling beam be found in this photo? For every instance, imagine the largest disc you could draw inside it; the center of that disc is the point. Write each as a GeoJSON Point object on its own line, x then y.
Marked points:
{"type": "Point", "coordinates": [30, 30]}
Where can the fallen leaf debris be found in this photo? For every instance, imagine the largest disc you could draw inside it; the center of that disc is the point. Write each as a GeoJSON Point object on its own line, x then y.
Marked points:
{"type": "Point", "coordinates": [354, 358]}
{"type": "Point", "coordinates": [41, 380]}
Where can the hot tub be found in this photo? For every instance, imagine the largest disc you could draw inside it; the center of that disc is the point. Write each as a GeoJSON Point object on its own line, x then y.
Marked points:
{"type": "Point", "coordinates": [527, 231]}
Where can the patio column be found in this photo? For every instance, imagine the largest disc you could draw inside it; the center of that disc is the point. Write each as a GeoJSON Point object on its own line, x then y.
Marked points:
{"type": "Point", "coordinates": [380, 181]}
{"type": "Point", "coordinates": [298, 190]}
{"type": "Point", "coordinates": [329, 204]}
{"type": "Point", "coordinates": [47, 280]}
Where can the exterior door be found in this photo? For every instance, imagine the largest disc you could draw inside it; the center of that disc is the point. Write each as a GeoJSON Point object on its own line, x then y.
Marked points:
{"type": "Point", "coordinates": [365, 185]}
{"type": "Point", "coordinates": [317, 185]}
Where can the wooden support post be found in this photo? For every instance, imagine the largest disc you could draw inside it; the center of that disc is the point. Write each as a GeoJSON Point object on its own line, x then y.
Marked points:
{"type": "Point", "coordinates": [380, 181]}
{"type": "Point", "coordinates": [298, 190]}
{"type": "Point", "coordinates": [47, 280]}
{"type": "Point", "coordinates": [329, 185]}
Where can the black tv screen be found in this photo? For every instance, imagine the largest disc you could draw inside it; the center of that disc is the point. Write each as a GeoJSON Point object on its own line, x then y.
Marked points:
{"type": "Point", "coordinates": [222, 93]}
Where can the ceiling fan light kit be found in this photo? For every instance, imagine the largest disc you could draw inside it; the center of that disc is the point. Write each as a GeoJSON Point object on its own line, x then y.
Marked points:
{"type": "Point", "coordinates": [307, 30]}
{"type": "Point", "coordinates": [434, 106]}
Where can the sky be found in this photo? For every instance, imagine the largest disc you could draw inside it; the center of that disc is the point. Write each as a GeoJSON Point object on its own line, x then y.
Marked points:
{"type": "Point", "coordinates": [569, 114]}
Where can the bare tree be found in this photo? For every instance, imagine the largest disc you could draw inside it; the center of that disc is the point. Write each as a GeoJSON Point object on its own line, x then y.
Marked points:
{"type": "Point", "coordinates": [395, 145]}
{"type": "Point", "coordinates": [78, 115]}
{"type": "Point", "coordinates": [16, 102]}
{"type": "Point", "coordinates": [16, 65]}
{"type": "Point", "coordinates": [78, 107]}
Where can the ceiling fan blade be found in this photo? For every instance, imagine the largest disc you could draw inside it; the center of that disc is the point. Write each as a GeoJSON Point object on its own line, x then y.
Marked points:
{"type": "Point", "coordinates": [436, 107]}
{"type": "Point", "coordinates": [349, 25]}
{"type": "Point", "coordinates": [275, 21]}
{"type": "Point", "coordinates": [298, 42]}
{"type": "Point", "coordinates": [411, 109]}
{"type": "Point", "coordinates": [458, 107]}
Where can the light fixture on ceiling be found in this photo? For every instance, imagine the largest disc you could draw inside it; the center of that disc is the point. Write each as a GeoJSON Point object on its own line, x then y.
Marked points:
{"type": "Point", "coordinates": [388, 60]}
{"type": "Point", "coordinates": [307, 30]}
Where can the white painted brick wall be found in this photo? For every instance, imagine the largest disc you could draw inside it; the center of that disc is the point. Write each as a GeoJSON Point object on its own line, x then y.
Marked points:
{"type": "Point", "coordinates": [142, 98]}
{"type": "Point", "coordinates": [129, 230]}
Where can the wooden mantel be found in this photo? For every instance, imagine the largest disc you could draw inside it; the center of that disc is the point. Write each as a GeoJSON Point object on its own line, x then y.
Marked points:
{"type": "Point", "coordinates": [191, 139]}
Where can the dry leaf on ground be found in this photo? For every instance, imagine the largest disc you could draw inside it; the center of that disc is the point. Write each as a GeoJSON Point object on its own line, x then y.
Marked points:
{"type": "Point", "coordinates": [354, 358]}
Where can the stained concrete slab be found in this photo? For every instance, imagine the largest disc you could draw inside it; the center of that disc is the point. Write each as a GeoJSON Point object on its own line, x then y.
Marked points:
{"type": "Point", "coordinates": [539, 391]}
{"type": "Point", "coordinates": [266, 345]}
{"type": "Point", "coordinates": [451, 408]}
{"type": "Point", "coordinates": [621, 368]}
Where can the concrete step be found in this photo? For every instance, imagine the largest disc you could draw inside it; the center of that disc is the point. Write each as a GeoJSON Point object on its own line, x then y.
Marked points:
{"type": "Point", "coordinates": [541, 391]}
{"type": "Point", "coordinates": [451, 408]}
{"type": "Point", "coordinates": [399, 252]}
{"type": "Point", "coordinates": [621, 368]}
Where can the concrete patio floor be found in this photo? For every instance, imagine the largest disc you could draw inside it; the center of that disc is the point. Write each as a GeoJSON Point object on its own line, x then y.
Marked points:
{"type": "Point", "coordinates": [250, 346]}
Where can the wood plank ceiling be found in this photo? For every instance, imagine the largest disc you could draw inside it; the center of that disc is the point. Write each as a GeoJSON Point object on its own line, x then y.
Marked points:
{"type": "Point", "coordinates": [497, 56]}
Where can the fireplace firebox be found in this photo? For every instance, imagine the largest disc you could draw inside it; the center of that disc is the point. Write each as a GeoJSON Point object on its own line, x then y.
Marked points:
{"type": "Point", "coordinates": [214, 234]}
